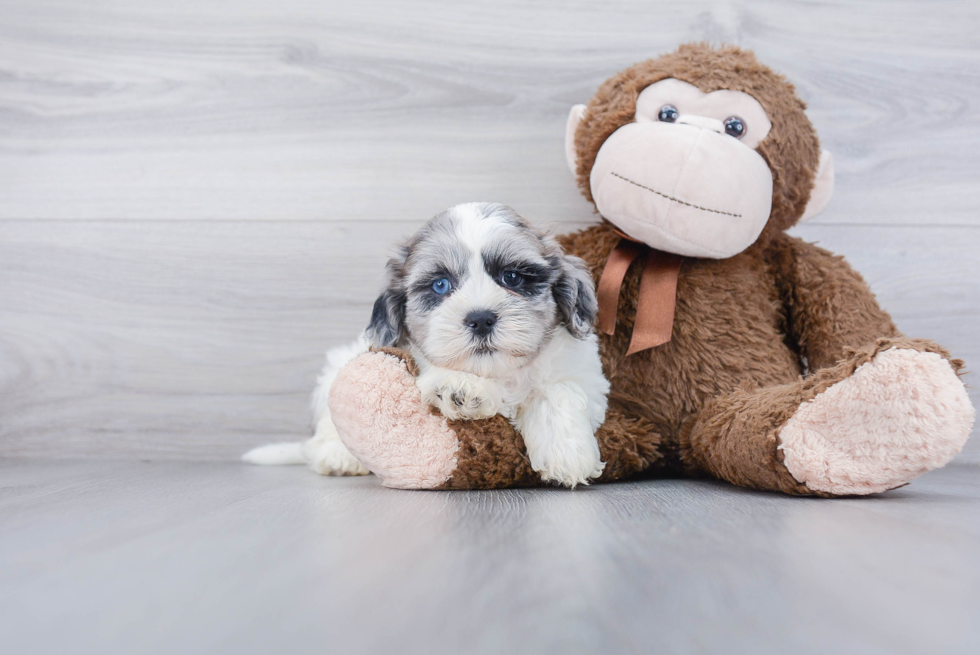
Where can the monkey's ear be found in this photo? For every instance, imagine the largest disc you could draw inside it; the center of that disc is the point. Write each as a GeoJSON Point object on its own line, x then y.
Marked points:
{"type": "Point", "coordinates": [823, 187]}
{"type": "Point", "coordinates": [574, 118]}
{"type": "Point", "coordinates": [575, 295]}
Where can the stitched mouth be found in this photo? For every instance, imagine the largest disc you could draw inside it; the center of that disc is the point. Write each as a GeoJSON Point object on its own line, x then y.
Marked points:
{"type": "Point", "coordinates": [673, 199]}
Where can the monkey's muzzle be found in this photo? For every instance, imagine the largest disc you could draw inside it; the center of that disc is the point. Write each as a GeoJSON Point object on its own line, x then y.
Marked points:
{"type": "Point", "coordinates": [683, 189]}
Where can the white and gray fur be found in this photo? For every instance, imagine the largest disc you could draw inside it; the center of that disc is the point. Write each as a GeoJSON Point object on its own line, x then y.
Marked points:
{"type": "Point", "coordinates": [487, 346]}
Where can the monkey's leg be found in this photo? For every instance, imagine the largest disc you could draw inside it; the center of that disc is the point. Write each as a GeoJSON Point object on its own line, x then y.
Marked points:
{"type": "Point", "coordinates": [382, 419]}
{"type": "Point", "coordinates": [881, 417]}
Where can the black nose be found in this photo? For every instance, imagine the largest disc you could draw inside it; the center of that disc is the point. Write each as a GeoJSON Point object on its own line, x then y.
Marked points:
{"type": "Point", "coordinates": [481, 322]}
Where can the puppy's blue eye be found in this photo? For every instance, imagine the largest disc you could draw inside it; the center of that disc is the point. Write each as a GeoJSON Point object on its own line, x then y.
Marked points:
{"type": "Point", "coordinates": [442, 285]}
{"type": "Point", "coordinates": [512, 279]}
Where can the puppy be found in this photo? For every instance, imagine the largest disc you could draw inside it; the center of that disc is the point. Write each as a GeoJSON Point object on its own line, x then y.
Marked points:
{"type": "Point", "coordinates": [499, 320]}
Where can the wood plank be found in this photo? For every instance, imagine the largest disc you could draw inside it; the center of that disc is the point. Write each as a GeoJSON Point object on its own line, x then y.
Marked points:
{"type": "Point", "coordinates": [197, 339]}
{"type": "Point", "coordinates": [130, 557]}
{"type": "Point", "coordinates": [381, 110]}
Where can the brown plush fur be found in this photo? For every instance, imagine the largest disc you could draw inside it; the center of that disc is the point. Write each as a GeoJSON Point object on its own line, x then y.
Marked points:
{"type": "Point", "coordinates": [754, 335]}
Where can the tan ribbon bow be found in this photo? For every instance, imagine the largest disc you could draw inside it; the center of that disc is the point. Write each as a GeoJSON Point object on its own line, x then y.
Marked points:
{"type": "Point", "coordinates": [658, 293]}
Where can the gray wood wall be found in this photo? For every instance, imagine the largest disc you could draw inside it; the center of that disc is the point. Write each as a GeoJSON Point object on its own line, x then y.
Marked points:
{"type": "Point", "coordinates": [196, 198]}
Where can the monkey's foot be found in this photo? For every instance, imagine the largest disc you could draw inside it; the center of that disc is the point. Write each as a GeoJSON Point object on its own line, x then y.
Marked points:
{"type": "Point", "coordinates": [901, 414]}
{"type": "Point", "coordinates": [381, 418]}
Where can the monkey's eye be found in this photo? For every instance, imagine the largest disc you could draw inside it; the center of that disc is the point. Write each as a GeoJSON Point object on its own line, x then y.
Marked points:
{"type": "Point", "coordinates": [735, 127]}
{"type": "Point", "coordinates": [442, 286]}
{"type": "Point", "coordinates": [668, 114]}
{"type": "Point", "coordinates": [511, 279]}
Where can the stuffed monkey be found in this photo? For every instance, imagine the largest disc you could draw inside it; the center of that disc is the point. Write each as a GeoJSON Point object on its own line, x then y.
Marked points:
{"type": "Point", "coordinates": [733, 350]}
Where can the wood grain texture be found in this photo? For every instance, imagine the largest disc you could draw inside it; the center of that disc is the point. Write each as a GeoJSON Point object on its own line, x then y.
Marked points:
{"type": "Point", "coordinates": [199, 339]}
{"type": "Point", "coordinates": [130, 557]}
{"type": "Point", "coordinates": [383, 110]}
{"type": "Point", "coordinates": [196, 198]}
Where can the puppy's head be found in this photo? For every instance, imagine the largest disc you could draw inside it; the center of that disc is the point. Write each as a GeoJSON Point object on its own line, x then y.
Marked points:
{"type": "Point", "coordinates": [477, 289]}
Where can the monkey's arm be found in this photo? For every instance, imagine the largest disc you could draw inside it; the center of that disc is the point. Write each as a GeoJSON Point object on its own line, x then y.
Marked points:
{"type": "Point", "coordinates": [381, 417]}
{"type": "Point", "coordinates": [828, 304]}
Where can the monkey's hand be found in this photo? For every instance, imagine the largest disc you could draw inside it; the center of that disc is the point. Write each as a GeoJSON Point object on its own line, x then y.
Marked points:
{"type": "Point", "coordinates": [459, 395]}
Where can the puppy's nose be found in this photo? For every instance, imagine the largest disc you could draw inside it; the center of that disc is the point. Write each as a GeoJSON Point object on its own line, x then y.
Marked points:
{"type": "Point", "coordinates": [481, 322]}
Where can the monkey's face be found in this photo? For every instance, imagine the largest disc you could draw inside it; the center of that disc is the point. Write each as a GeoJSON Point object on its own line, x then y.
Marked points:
{"type": "Point", "coordinates": [699, 152]}
{"type": "Point", "coordinates": [684, 177]}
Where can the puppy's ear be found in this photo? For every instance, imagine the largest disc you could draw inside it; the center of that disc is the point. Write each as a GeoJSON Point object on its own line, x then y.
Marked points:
{"type": "Point", "coordinates": [575, 294]}
{"type": "Point", "coordinates": [387, 324]}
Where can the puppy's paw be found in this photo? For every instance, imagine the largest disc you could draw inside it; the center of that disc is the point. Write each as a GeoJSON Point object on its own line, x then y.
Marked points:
{"type": "Point", "coordinates": [327, 455]}
{"type": "Point", "coordinates": [558, 432]}
{"type": "Point", "coordinates": [459, 395]}
{"type": "Point", "coordinates": [333, 458]}
{"type": "Point", "coordinates": [568, 464]}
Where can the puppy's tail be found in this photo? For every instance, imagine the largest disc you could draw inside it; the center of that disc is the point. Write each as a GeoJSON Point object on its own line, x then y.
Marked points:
{"type": "Point", "coordinates": [276, 454]}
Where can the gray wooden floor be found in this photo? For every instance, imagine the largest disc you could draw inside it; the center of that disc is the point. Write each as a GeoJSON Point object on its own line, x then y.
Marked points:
{"type": "Point", "coordinates": [180, 557]}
